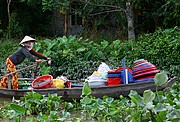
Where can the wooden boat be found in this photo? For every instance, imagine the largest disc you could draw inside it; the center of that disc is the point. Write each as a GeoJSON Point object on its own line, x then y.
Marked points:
{"type": "Point", "coordinates": [75, 93]}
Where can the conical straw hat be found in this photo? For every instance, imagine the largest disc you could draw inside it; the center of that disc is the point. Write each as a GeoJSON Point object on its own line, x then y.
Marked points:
{"type": "Point", "coordinates": [27, 39]}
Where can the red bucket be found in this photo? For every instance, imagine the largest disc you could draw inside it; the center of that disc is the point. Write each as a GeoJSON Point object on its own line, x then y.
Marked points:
{"type": "Point", "coordinates": [45, 81]}
{"type": "Point", "coordinates": [114, 81]}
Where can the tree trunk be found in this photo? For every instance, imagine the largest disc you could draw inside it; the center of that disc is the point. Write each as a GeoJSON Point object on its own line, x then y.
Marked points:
{"type": "Point", "coordinates": [65, 24]}
{"type": "Point", "coordinates": [9, 18]}
{"type": "Point", "coordinates": [130, 20]}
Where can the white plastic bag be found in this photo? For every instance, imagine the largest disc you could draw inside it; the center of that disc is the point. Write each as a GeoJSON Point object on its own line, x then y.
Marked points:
{"type": "Point", "coordinates": [95, 79]}
{"type": "Point", "coordinates": [103, 69]}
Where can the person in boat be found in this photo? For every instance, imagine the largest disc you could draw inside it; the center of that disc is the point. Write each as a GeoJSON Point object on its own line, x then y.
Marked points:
{"type": "Point", "coordinates": [25, 51]}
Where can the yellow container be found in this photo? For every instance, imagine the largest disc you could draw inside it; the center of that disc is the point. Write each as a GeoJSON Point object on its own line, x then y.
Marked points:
{"type": "Point", "coordinates": [58, 83]}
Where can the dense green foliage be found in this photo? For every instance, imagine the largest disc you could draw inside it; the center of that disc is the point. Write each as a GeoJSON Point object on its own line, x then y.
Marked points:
{"type": "Point", "coordinates": [35, 17]}
{"type": "Point", "coordinates": [6, 48]}
{"type": "Point", "coordinates": [151, 106]}
{"type": "Point", "coordinates": [26, 18]}
{"type": "Point", "coordinates": [162, 48]}
{"type": "Point", "coordinates": [77, 58]}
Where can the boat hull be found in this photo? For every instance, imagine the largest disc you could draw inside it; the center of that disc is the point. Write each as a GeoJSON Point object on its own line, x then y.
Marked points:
{"type": "Point", "coordinates": [69, 94]}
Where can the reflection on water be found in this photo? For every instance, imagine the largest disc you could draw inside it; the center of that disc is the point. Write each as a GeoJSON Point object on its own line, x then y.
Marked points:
{"type": "Point", "coordinates": [81, 115]}
{"type": "Point", "coordinates": [5, 100]}
{"type": "Point", "coordinates": [73, 115]}
{"type": "Point", "coordinates": [21, 119]}
{"type": "Point", "coordinates": [7, 120]}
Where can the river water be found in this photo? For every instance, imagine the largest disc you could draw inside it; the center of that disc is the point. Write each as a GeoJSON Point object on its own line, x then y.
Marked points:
{"type": "Point", "coordinates": [5, 100]}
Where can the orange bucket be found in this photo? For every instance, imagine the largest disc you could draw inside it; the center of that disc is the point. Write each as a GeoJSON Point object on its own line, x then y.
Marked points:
{"type": "Point", "coordinates": [42, 82]}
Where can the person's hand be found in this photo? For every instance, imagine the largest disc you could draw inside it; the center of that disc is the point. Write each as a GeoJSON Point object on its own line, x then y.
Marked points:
{"type": "Point", "coordinates": [39, 61]}
{"type": "Point", "coordinates": [49, 60]}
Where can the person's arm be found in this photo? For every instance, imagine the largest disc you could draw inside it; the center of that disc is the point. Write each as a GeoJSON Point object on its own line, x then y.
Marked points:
{"type": "Point", "coordinates": [33, 52]}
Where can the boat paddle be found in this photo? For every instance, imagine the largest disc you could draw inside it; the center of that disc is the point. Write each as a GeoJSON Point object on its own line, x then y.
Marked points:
{"type": "Point", "coordinates": [35, 64]}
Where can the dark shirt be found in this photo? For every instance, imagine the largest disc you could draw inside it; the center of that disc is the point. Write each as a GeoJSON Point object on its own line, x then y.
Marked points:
{"type": "Point", "coordinates": [22, 53]}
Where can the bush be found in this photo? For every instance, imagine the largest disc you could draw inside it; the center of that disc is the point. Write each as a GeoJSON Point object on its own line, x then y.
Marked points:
{"type": "Point", "coordinates": [77, 58]}
{"type": "Point", "coordinates": [162, 49]}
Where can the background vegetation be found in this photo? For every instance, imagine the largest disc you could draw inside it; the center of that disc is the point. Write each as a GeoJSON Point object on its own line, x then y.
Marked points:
{"type": "Point", "coordinates": [77, 58]}
{"type": "Point", "coordinates": [156, 26]}
{"type": "Point", "coordinates": [34, 17]}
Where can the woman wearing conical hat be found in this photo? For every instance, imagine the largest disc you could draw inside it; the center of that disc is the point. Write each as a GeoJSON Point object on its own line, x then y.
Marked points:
{"type": "Point", "coordinates": [26, 51]}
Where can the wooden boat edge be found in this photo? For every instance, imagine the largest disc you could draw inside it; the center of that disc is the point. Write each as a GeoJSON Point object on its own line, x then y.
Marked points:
{"type": "Point", "coordinates": [75, 93]}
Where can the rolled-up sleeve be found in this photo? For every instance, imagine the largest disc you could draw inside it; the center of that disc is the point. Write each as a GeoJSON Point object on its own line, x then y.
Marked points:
{"type": "Point", "coordinates": [39, 55]}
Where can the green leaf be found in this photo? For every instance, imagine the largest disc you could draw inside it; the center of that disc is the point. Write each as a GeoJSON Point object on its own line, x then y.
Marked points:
{"type": "Point", "coordinates": [81, 49]}
{"type": "Point", "coordinates": [44, 117]}
{"type": "Point", "coordinates": [45, 70]}
{"type": "Point", "coordinates": [18, 109]}
{"type": "Point", "coordinates": [86, 101]}
{"type": "Point", "coordinates": [160, 107]}
{"type": "Point", "coordinates": [109, 100]}
{"type": "Point", "coordinates": [174, 115]}
{"type": "Point", "coordinates": [113, 113]}
{"type": "Point", "coordinates": [65, 114]}
{"type": "Point", "coordinates": [87, 55]}
{"type": "Point", "coordinates": [101, 107]}
{"type": "Point", "coordinates": [136, 98]}
{"type": "Point", "coordinates": [86, 89]}
{"type": "Point", "coordinates": [149, 105]}
{"type": "Point", "coordinates": [54, 114]}
{"type": "Point", "coordinates": [148, 96]}
{"type": "Point", "coordinates": [161, 116]}
{"type": "Point", "coordinates": [160, 78]}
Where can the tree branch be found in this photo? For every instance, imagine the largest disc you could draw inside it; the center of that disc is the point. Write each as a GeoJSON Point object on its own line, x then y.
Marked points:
{"type": "Point", "coordinates": [105, 12]}
{"type": "Point", "coordinates": [109, 6]}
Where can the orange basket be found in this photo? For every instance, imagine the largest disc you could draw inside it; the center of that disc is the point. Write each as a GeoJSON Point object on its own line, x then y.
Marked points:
{"type": "Point", "coordinates": [42, 82]}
